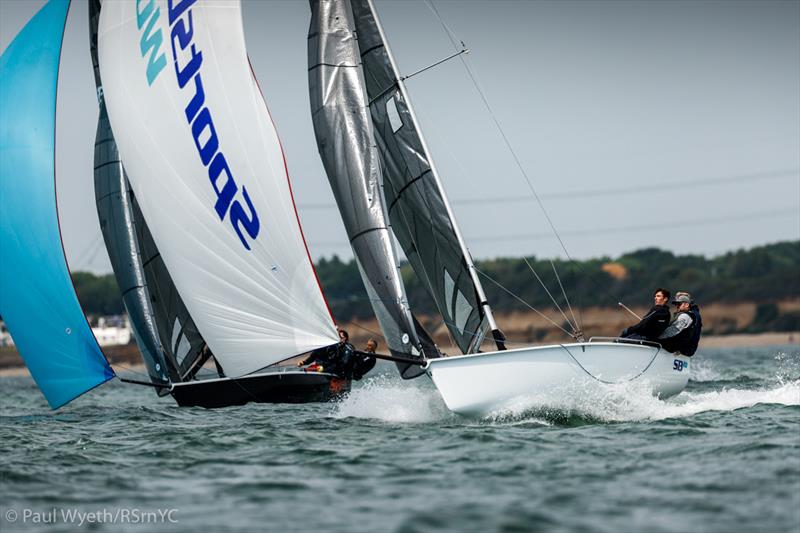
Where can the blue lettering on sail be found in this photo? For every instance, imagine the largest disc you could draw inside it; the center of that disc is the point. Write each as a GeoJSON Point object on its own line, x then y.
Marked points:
{"type": "Point", "coordinates": [199, 117]}
{"type": "Point", "coordinates": [150, 41]}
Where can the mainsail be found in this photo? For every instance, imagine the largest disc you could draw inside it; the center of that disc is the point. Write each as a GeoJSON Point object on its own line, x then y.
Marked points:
{"type": "Point", "coordinates": [165, 333]}
{"type": "Point", "coordinates": [208, 173]}
{"type": "Point", "coordinates": [414, 201]}
{"type": "Point", "coordinates": [346, 144]}
{"type": "Point", "coordinates": [37, 299]}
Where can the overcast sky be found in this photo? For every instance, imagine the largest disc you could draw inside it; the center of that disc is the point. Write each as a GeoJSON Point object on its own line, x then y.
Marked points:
{"type": "Point", "coordinates": [670, 124]}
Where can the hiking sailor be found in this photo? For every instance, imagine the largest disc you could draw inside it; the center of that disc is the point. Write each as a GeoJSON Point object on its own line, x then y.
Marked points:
{"type": "Point", "coordinates": [654, 322]}
{"type": "Point", "coordinates": [364, 361]}
{"type": "Point", "coordinates": [683, 334]}
{"type": "Point", "coordinates": [334, 359]}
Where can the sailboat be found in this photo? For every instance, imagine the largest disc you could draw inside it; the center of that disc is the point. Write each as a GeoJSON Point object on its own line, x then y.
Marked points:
{"type": "Point", "coordinates": [200, 222]}
{"type": "Point", "coordinates": [386, 184]}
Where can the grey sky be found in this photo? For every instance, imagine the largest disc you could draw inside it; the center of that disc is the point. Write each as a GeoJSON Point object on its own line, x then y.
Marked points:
{"type": "Point", "coordinates": [624, 104]}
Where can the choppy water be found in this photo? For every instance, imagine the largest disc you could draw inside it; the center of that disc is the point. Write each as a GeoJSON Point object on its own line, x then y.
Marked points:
{"type": "Point", "coordinates": [722, 456]}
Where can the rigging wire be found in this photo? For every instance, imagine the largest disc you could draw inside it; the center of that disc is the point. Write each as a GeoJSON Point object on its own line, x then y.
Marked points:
{"type": "Point", "coordinates": [129, 369]}
{"type": "Point", "coordinates": [578, 333]}
{"type": "Point", "coordinates": [574, 328]}
{"type": "Point", "coordinates": [490, 110]}
{"type": "Point", "coordinates": [482, 94]}
{"type": "Point", "coordinates": [89, 252]}
{"type": "Point", "coordinates": [490, 278]}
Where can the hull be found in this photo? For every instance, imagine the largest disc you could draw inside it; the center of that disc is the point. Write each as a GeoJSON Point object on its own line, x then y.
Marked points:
{"type": "Point", "coordinates": [487, 382]}
{"type": "Point", "coordinates": [276, 387]}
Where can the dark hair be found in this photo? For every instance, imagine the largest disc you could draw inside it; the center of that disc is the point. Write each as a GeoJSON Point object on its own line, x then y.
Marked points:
{"type": "Point", "coordinates": [346, 335]}
{"type": "Point", "coordinates": [665, 292]}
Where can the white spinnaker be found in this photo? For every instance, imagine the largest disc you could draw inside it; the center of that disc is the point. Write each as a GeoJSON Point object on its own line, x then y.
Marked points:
{"type": "Point", "coordinates": [254, 307]}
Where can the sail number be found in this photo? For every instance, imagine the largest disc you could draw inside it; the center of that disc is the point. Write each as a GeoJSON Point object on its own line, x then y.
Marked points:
{"type": "Point", "coordinates": [679, 365]}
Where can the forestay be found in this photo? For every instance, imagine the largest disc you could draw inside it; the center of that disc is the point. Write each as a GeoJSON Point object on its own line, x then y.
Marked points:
{"type": "Point", "coordinates": [416, 206]}
{"type": "Point", "coordinates": [37, 299]}
{"type": "Point", "coordinates": [346, 144]}
{"type": "Point", "coordinates": [207, 170]}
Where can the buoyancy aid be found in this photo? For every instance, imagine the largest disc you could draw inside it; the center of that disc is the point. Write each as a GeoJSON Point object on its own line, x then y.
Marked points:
{"type": "Point", "coordinates": [687, 340]}
{"type": "Point", "coordinates": [697, 328]}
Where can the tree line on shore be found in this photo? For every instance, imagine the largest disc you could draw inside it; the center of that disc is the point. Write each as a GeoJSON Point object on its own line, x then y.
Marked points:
{"type": "Point", "coordinates": [764, 275]}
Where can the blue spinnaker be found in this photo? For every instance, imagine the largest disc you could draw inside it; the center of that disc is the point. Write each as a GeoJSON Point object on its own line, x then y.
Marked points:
{"type": "Point", "coordinates": [37, 298]}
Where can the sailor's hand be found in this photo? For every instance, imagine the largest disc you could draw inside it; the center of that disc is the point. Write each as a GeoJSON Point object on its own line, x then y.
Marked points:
{"type": "Point", "coordinates": [300, 363]}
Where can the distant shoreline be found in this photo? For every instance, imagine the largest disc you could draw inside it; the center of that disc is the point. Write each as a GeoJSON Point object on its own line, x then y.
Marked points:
{"type": "Point", "coordinates": [10, 367]}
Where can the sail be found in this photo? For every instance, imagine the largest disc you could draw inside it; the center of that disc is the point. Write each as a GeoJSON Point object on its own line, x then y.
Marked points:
{"type": "Point", "coordinates": [113, 198]}
{"type": "Point", "coordinates": [37, 298]}
{"type": "Point", "coordinates": [416, 206]}
{"type": "Point", "coordinates": [164, 331]}
{"type": "Point", "coordinates": [208, 173]}
{"type": "Point", "coordinates": [180, 338]}
{"type": "Point", "coordinates": [344, 135]}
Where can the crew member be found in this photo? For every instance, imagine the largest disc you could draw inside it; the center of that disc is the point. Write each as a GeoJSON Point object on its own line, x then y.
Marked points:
{"type": "Point", "coordinates": [363, 362]}
{"type": "Point", "coordinates": [654, 322]}
{"type": "Point", "coordinates": [334, 359]}
{"type": "Point", "coordinates": [683, 334]}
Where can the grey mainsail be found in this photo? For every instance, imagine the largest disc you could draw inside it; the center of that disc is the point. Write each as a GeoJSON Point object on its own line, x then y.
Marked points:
{"type": "Point", "coordinates": [346, 144]}
{"type": "Point", "coordinates": [415, 204]}
{"type": "Point", "coordinates": [166, 335]}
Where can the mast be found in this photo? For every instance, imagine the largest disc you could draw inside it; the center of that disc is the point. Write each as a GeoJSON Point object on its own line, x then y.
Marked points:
{"type": "Point", "coordinates": [496, 333]}
{"type": "Point", "coordinates": [347, 145]}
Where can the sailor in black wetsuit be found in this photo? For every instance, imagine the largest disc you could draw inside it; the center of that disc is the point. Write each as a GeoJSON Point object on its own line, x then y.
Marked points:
{"type": "Point", "coordinates": [654, 322]}
{"type": "Point", "coordinates": [363, 362]}
{"type": "Point", "coordinates": [336, 359]}
{"type": "Point", "coordinates": [683, 334]}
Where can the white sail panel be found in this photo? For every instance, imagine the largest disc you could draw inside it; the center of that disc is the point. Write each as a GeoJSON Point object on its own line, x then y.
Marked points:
{"type": "Point", "coordinates": [207, 168]}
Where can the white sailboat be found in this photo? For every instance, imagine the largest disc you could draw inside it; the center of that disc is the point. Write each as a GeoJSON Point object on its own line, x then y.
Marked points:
{"type": "Point", "coordinates": [385, 182]}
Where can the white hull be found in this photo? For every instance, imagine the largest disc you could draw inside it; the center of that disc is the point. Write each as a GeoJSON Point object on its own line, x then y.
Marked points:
{"type": "Point", "coordinates": [487, 382]}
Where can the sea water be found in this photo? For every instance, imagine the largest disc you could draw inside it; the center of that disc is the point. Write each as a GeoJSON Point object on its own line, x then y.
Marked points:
{"type": "Point", "coordinates": [722, 456]}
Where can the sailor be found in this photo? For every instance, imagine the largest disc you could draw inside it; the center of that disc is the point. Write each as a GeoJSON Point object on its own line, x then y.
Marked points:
{"type": "Point", "coordinates": [334, 359]}
{"type": "Point", "coordinates": [363, 362]}
{"type": "Point", "coordinates": [654, 322]}
{"type": "Point", "coordinates": [683, 334]}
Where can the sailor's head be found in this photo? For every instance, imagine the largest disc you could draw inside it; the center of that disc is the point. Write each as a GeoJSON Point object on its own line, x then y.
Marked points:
{"type": "Point", "coordinates": [661, 296]}
{"type": "Point", "coordinates": [343, 335]}
{"type": "Point", "coordinates": [372, 345]}
{"type": "Point", "coordinates": [682, 300]}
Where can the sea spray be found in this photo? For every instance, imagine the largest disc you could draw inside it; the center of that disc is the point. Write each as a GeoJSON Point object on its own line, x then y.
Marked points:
{"type": "Point", "coordinates": [633, 402]}
{"type": "Point", "coordinates": [391, 399]}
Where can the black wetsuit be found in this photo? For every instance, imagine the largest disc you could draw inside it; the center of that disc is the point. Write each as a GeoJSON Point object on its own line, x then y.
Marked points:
{"type": "Point", "coordinates": [651, 326]}
{"type": "Point", "coordinates": [361, 363]}
{"type": "Point", "coordinates": [335, 359]}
